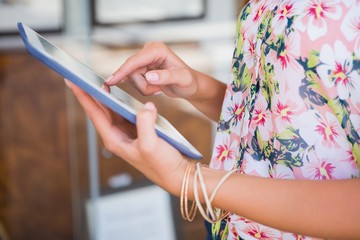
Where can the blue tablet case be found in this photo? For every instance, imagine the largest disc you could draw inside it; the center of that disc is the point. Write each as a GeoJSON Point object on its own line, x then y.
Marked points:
{"type": "Point", "coordinates": [118, 101]}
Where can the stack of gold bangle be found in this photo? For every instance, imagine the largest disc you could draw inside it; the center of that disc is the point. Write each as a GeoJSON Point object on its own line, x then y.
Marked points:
{"type": "Point", "coordinates": [211, 214]}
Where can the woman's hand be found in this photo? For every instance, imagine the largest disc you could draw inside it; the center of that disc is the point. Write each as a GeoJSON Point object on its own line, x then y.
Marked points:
{"type": "Point", "coordinates": [138, 145]}
{"type": "Point", "coordinates": [155, 68]}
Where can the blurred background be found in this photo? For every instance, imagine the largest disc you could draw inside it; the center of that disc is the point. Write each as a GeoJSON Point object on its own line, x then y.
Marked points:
{"type": "Point", "coordinates": [57, 181]}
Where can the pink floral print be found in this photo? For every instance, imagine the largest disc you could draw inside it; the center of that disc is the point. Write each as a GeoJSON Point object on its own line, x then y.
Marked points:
{"type": "Point", "coordinates": [292, 105]}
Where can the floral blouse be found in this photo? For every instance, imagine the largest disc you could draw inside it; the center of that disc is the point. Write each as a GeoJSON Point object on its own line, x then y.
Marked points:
{"type": "Point", "coordinates": [292, 106]}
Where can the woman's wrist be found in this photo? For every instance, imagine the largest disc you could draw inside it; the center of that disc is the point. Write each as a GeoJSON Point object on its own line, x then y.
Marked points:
{"type": "Point", "coordinates": [173, 182]}
{"type": "Point", "coordinates": [208, 96]}
{"type": "Point", "coordinates": [211, 179]}
{"type": "Point", "coordinates": [202, 192]}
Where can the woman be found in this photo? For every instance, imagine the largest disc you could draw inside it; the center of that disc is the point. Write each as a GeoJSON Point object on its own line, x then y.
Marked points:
{"type": "Point", "coordinates": [290, 116]}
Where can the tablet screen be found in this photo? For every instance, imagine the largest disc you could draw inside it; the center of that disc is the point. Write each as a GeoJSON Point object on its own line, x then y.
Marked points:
{"type": "Point", "coordinates": [118, 100]}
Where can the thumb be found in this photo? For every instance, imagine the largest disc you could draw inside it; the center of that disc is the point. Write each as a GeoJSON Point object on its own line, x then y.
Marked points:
{"type": "Point", "coordinates": [145, 123]}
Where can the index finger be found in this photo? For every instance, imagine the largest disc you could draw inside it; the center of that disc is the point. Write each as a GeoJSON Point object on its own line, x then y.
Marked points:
{"type": "Point", "coordinates": [152, 54]}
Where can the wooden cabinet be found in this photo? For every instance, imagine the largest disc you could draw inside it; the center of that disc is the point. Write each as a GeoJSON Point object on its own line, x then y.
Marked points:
{"type": "Point", "coordinates": [43, 153]}
{"type": "Point", "coordinates": [35, 177]}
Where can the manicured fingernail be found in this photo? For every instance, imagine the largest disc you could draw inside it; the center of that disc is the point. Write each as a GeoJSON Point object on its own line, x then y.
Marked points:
{"type": "Point", "coordinates": [109, 78]}
{"type": "Point", "coordinates": [106, 87]}
{"type": "Point", "coordinates": [152, 77]}
{"type": "Point", "coordinates": [149, 106]}
{"type": "Point", "coordinates": [67, 82]}
{"type": "Point", "coordinates": [158, 93]}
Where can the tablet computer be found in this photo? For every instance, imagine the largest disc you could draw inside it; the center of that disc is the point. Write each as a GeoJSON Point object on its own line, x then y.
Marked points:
{"type": "Point", "coordinates": [81, 75]}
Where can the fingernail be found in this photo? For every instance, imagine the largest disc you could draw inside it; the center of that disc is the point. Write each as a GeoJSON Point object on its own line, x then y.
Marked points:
{"type": "Point", "coordinates": [149, 106]}
{"type": "Point", "coordinates": [67, 82]}
{"type": "Point", "coordinates": [106, 87]}
{"type": "Point", "coordinates": [152, 77]}
{"type": "Point", "coordinates": [158, 93]}
{"type": "Point", "coordinates": [109, 78]}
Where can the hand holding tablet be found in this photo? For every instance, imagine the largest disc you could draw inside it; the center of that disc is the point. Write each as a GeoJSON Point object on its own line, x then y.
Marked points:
{"type": "Point", "coordinates": [117, 100]}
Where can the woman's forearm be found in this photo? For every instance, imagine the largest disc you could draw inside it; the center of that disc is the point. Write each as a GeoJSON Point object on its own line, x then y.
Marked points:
{"type": "Point", "coordinates": [326, 209]}
{"type": "Point", "coordinates": [209, 96]}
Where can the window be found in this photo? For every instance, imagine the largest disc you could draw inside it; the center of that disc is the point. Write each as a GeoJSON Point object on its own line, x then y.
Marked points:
{"type": "Point", "coordinates": [125, 11]}
{"type": "Point", "coordinates": [42, 15]}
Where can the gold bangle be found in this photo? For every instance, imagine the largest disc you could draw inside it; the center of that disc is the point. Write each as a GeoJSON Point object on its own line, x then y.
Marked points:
{"type": "Point", "coordinates": [223, 213]}
{"type": "Point", "coordinates": [197, 200]}
{"type": "Point", "coordinates": [184, 196]}
{"type": "Point", "coordinates": [204, 190]}
{"type": "Point", "coordinates": [190, 215]}
{"type": "Point", "coordinates": [213, 218]}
